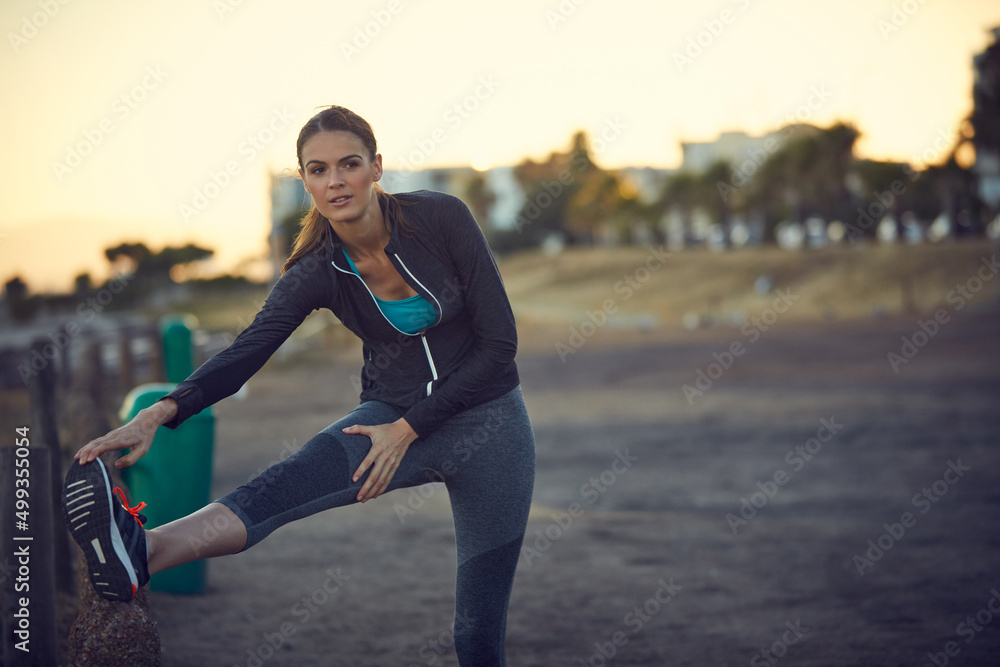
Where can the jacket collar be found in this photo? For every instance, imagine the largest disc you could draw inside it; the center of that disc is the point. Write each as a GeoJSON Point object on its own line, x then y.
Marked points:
{"type": "Point", "coordinates": [334, 243]}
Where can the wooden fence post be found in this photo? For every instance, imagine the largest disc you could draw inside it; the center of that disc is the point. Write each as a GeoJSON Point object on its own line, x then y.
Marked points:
{"type": "Point", "coordinates": [159, 373]}
{"type": "Point", "coordinates": [126, 369]}
{"type": "Point", "coordinates": [105, 633]}
{"type": "Point", "coordinates": [44, 418]}
{"type": "Point", "coordinates": [26, 529]}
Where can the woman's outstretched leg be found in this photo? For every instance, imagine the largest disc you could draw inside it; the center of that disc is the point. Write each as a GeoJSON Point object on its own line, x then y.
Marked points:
{"type": "Point", "coordinates": [187, 539]}
{"type": "Point", "coordinates": [121, 554]}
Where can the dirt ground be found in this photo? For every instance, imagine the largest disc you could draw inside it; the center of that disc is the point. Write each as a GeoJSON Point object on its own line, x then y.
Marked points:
{"type": "Point", "coordinates": [810, 507]}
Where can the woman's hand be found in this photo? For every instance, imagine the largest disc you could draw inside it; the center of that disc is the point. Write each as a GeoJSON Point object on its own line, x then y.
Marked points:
{"type": "Point", "coordinates": [389, 445]}
{"type": "Point", "coordinates": [136, 435]}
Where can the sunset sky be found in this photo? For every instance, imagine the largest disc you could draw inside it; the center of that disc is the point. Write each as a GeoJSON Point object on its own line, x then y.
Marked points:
{"type": "Point", "coordinates": [118, 115]}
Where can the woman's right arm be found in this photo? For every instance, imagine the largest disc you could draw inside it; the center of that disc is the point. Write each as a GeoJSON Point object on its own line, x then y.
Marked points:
{"type": "Point", "coordinates": [297, 293]}
{"type": "Point", "coordinates": [136, 435]}
{"type": "Point", "coordinates": [301, 290]}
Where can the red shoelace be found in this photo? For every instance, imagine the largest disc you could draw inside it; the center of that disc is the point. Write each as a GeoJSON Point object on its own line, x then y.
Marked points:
{"type": "Point", "coordinates": [134, 511]}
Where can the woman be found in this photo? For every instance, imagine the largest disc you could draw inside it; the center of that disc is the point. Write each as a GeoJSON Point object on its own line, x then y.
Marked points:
{"type": "Point", "coordinates": [412, 276]}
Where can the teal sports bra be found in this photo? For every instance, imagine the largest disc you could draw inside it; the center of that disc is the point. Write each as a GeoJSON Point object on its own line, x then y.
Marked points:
{"type": "Point", "coordinates": [408, 315]}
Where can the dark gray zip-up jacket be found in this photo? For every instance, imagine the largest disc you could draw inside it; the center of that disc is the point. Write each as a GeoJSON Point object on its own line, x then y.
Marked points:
{"type": "Point", "coordinates": [463, 359]}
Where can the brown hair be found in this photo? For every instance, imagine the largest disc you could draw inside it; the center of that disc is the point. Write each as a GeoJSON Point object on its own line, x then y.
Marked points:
{"type": "Point", "coordinates": [314, 227]}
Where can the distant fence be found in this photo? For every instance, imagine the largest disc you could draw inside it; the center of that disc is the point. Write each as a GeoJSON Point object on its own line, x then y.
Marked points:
{"type": "Point", "coordinates": [129, 351]}
{"type": "Point", "coordinates": [74, 383]}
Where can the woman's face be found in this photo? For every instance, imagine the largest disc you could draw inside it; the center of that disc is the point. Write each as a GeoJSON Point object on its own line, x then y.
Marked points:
{"type": "Point", "coordinates": [339, 175]}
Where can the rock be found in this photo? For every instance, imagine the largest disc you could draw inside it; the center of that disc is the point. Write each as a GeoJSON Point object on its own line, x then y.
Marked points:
{"type": "Point", "coordinates": [112, 634]}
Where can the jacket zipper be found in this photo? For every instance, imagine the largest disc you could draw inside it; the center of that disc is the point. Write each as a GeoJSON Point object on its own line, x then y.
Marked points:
{"type": "Point", "coordinates": [423, 338]}
{"type": "Point", "coordinates": [430, 360]}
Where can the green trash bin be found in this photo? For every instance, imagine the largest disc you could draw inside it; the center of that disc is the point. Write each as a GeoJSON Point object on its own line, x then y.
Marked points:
{"type": "Point", "coordinates": [174, 478]}
{"type": "Point", "coordinates": [178, 349]}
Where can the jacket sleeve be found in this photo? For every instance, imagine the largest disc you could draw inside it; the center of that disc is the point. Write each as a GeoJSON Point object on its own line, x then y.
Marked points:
{"type": "Point", "coordinates": [492, 320]}
{"type": "Point", "coordinates": [296, 294]}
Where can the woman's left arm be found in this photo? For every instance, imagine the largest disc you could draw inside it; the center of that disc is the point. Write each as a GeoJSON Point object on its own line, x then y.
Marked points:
{"type": "Point", "coordinates": [492, 319]}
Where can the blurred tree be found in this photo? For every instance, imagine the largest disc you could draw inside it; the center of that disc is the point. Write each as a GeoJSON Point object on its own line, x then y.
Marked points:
{"type": "Point", "coordinates": [223, 283]}
{"type": "Point", "coordinates": [950, 189]}
{"type": "Point", "coordinates": [126, 257]}
{"type": "Point", "coordinates": [875, 176]}
{"type": "Point", "coordinates": [82, 284]}
{"type": "Point", "coordinates": [837, 143]}
{"type": "Point", "coordinates": [147, 266]}
{"type": "Point", "coordinates": [548, 187]}
{"type": "Point", "coordinates": [985, 117]}
{"type": "Point", "coordinates": [630, 212]}
{"type": "Point", "coordinates": [20, 304]}
{"type": "Point", "coordinates": [806, 176]}
{"type": "Point", "coordinates": [150, 270]}
{"type": "Point", "coordinates": [480, 198]}
{"type": "Point", "coordinates": [649, 214]}
{"type": "Point", "coordinates": [681, 193]}
{"type": "Point", "coordinates": [877, 186]}
{"type": "Point", "coordinates": [770, 194]}
{"type": "Point", "coordinates": [593, 206]}
{"type": "Point", "coordinates": [170, 257]}
{"type": "Point", "coordinates": [708, 195]}
{"type": "Point", "coordinates": [569, 195]}
{"type": "Point", "coordinates": [983, 131]}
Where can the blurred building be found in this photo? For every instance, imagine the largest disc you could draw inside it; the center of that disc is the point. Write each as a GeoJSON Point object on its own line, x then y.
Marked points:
{"type": "Point", "coordinates": [736, 147]}
{"type": "Point", "coordinates": [506, 192]}
{"type": "Point", "coordinates": [986, 117]}
{"type": "Point", "coordinates": [700, 155]}
{"type": "Point", "coordinates": [450, 180]}
{"type": "Point", "coordinates": [289, 200]}
{"type": "Point", "coordinates": [732, 147]}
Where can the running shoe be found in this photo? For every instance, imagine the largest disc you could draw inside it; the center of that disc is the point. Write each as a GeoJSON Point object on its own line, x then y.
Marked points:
{"type": "Point", "coordinates": [109, 532]}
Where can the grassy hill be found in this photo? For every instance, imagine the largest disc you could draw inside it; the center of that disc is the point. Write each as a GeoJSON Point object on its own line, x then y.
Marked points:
{"type": "Point", "coordinates": [642, 289]}
{"type": "Point", "coordinates": [719, 288]}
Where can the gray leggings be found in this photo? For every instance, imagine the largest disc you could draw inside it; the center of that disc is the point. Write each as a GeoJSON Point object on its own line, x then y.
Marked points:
{"type": "Point", "coordinates": [486, 457]}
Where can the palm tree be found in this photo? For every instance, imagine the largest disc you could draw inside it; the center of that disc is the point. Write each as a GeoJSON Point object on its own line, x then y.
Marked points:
{"type": "Point", "coordinates": [480, 199]}
{"type": "Point", "coordinates": [806, 176]}
{"type": "Point", "coordinates": [603, 200]}
{"type": "Point", "coordinates": [708, 193]}
{"type": "Point", "coordinates": [680, 195]}
{"type": "Point", "coordinates": [837, 143]}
